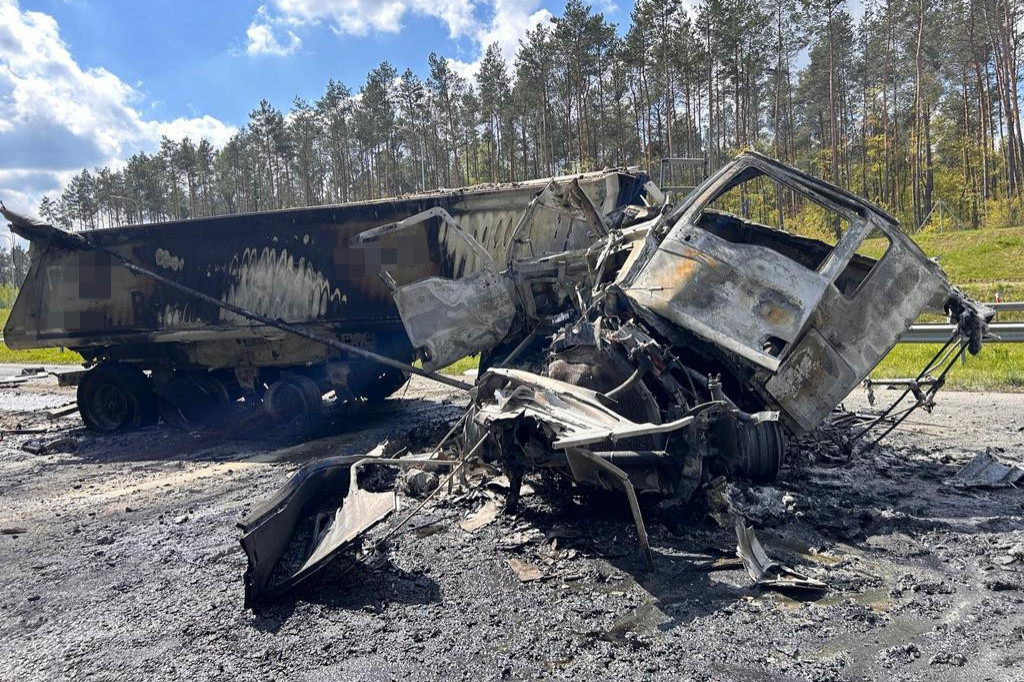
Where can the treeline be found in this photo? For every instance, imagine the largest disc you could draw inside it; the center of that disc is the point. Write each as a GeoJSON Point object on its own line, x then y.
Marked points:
{"type": "Point", "coordinates": [13, 269]}
{"type": "Point", "coordinates": [915, 106]}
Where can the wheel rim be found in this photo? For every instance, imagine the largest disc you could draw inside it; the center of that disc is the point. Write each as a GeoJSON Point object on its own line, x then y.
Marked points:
{"type": "Point", "coordinates": [110, 407]}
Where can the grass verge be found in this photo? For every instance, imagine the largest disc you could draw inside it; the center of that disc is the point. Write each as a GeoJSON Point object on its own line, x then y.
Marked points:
{"type": "Point", "coordinates": [460, 367]}
{"type": "Point", "coordinates": [998, 367]}
{"type": "Point", "coordinates": [35, 356]}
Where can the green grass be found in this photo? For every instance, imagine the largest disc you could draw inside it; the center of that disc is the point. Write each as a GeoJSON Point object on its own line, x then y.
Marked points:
{"type": "Point", "coordinates": [39, 356]}
{"type": "Point", "coordinates": [460, 366]}
{"type": "Point", "coordinates": [35, 356]}
{"type": "Point", "coordinates": [998, 367]}
{"type": "Point", "coordinates": [983, 263]}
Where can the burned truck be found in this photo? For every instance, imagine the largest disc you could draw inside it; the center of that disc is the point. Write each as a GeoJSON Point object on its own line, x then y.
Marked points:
{"type": "Point", "coordinates": [160, 310]}
{"type": "Point", "coordinates": [655, 349]}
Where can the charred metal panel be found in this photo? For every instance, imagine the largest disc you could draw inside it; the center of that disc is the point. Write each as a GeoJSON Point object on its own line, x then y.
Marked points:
{"type": "Point", "coordinates": [297, 511]}
{"type": "Point", "coordinates": [850, 333]}
{"type": "Point", "coordinates": [559, 220]}
{"type": "Point", "coordinates": [739, 296]}
{"type": "Point", "coordinates": [450, 319]}
{"type": "Point", "coordinates": [814, 376]}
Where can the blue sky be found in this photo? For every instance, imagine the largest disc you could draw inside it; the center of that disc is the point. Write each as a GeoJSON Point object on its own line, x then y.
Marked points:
{"type": "Point", "coordinates": [89, 82]}
{"type": "Point", "coordinates": [190, 57]}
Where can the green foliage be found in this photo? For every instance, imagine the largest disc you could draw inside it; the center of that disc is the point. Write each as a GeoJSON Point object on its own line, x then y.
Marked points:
{"type": "Point", "coordinates": [812, 221]}
{"type": "Point", "coordinates": [8, 292]}
{"type": "Point", "coordinates": [998, 367]}
{"type": "Point", "coordinates": [1003, 213]}
{"type": "Point", "coordinates": [42, 356]}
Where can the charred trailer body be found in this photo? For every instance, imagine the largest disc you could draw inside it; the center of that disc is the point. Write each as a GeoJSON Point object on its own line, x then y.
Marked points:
{"type": "Point", "coordinates": [159, 351]}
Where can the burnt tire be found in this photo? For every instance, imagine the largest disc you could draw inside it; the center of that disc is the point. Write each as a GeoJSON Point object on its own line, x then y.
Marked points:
{"type": "Point", "coordinates": [292, 396]}
{"type": "Point", "coordinates": [374, 382]}
{"type": "Point", "coordinates": [191, 401]}
{"type": "Point", "coordinates": [310, 390]}
{"type": "Point", "coordinates": [762, 450]}
{"type": "Point", "coordinates": [116, 397]}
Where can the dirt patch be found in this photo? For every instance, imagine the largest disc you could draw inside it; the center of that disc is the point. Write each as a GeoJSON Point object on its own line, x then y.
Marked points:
{"type": "Point", "coordinates": [121, 561]}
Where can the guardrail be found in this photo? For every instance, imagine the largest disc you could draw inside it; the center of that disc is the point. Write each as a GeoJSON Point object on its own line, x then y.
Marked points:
{"type": "Point", "coordinates": [1002, 332]}
{"type": "Point", "coordinates": [1007, 332]}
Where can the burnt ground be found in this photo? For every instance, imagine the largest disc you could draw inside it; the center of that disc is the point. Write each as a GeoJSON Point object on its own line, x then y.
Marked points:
{"type": "Point", "coordinates": [120, 560]}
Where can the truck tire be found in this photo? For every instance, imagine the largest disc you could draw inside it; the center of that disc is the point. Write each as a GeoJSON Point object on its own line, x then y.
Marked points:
{"type": "Point", "coordinates": [762, 450]}
{"type": "Point", "coordinates": [287, 399]}
{"type": "Point", "coordinates": [310, 391]}
{"type": "Point", "coordinates": [374, 382]}
{"type": "Point", "coordinates": [191, 401]}
{"type": "Point", "coordinates": [116, 397]}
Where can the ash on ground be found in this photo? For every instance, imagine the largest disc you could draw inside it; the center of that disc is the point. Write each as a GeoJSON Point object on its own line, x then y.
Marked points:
{"type": "Point", "coordinates": [121, 561]}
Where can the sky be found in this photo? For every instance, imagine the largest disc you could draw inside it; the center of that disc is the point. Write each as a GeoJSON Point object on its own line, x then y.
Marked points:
{"type": "Point", "coordinates": [87, 83]}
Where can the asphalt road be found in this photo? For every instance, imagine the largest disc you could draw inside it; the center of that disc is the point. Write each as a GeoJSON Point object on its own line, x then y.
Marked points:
{"type": "Point", "coordinates": [120, 561]}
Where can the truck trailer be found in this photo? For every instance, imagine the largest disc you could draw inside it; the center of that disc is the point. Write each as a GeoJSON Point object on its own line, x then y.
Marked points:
{"type": "Point", "coordinates": [157, 350]}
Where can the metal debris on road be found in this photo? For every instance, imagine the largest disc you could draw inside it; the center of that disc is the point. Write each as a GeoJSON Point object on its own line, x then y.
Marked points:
{"type": "Point", "coordinates": [483, 516]}
{"type": "Point", "coordinates": [764, 571]}
{"type": "Point", "coordinates": [985, 471]}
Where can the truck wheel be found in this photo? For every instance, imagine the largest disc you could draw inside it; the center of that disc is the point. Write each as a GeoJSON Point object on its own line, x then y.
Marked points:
{"type": "Point", "coordinates": [191, 401]}
{"type": "Point", "coordinates": [378, 382]}
{"type": "Point", "coordinates": [763, 448]}
{"type": "Point", "coordinates": [115, 397]}
{"type": "Point", "coordinates": [287, 399]}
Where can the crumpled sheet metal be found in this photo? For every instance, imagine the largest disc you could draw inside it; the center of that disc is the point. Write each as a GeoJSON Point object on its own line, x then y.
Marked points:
{"type": "Point", "coordinates": [449, 319]}
{"type": "Point", "coordinates": [985, 471]}
{"type": "Point", "coordinates": [269, 530]}
{"type": "Point", "coordinates": [577, 415]}
{"type": "Point", "coordinates": [763, 570]}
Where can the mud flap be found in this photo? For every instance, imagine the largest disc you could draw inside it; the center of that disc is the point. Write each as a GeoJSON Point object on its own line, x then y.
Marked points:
{"type": "Point", "coordinates": [296, 532]}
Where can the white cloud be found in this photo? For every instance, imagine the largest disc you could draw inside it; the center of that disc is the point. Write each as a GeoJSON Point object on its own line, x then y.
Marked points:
{"type": "Point", "coordinates": [505, 22]}
{"type": "Point", "coordinates": [57, 117]}
{"type": "Point", "coordinates": [213, 129]}
{"type": "Point", "coordinates": [509, 23]}
{"type": "Point", "coordinates": [262, 36]}
{"type": "Point", "coordinates": [359, 17]}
